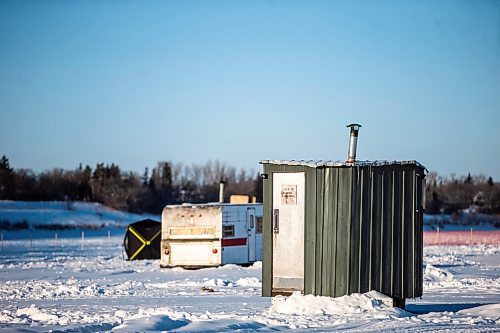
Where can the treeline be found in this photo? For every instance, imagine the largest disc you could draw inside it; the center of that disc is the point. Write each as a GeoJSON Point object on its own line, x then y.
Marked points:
{"type": "Point", "coordinates": [175, 183]}
{"type": "Point", "coordinates": [451, 195]}
{"type": "Point", "coordinates": [167, 183]}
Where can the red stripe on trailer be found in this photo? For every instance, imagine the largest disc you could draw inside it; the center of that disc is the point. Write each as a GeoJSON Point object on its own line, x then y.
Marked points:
{"type": "Point", "coordinates": [234, 242]}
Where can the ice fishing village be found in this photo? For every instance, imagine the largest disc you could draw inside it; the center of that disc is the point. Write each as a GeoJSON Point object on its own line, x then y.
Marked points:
{"type": "Point", "coordinates": [334, 246]}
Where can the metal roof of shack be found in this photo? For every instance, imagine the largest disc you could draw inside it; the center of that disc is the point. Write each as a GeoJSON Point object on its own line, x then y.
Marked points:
{"type": "Point", "coordinates": [330, 163]}
{"type": "Point", "coordinates": [211, 204]}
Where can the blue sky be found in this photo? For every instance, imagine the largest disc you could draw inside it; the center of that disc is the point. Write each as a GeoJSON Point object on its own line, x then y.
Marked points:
{"type": "Point", "coordinates": [136, 82]}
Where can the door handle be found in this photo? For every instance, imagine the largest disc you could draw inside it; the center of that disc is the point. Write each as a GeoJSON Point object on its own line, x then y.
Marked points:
{"type": "Point", "coordinates": [276, 221]}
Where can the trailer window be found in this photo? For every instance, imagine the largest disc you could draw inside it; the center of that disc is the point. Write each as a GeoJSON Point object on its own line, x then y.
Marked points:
{"type": "Point", "coordinates": [258, 224]}
{"type": "Point", "coordinates": [227, 231]}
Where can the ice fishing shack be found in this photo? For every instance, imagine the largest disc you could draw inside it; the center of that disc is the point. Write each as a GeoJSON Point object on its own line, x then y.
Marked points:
{"type": "Point", "coordinates": [211, 234]}
{"type": "Point", "coordinates": [142, 240]}
{"type": "Point", "coordinates": [333, 228]}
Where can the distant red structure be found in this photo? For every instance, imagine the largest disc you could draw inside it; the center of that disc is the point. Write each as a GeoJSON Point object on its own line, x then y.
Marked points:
{"type": "Point", "coordinates": [466, 237]}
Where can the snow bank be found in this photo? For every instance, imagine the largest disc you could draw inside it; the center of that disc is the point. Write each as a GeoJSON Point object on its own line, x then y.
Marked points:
{"type": "Point", "coordinates": [252, 282]}
{"type": "Point", "coordinates": [69, 289]}
{"type": "Point", "coordinates": [373, 303]}
{"type": "Point", "coordinates": [434, 274]}
{"type": "Point", "coordinates": [295, 311]}
{"type": "Point", "coordinates": [490, 310]}
{"type": "Point", "coordinates": [152, 323]}
{"type": "Point", "coordinates": [37, 315]}
{"type": "Point", "coordinates": [161, 323]}
{"type": "Point", "coordinates": [150, 319]}
{"type": "Point", "coordinates": [244, 282]}
{"type": "Point", "coordinates": [167, 319]}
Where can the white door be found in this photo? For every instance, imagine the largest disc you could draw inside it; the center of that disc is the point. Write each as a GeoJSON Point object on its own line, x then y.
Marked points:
{"type": "Point", "coordinates": [288, 231]}
{"type": "Point", "coordinates": [251, 234]}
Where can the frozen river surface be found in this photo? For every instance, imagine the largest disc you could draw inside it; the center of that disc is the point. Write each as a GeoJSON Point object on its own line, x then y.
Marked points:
{"type": "Point", "coordinates": [66, 286]}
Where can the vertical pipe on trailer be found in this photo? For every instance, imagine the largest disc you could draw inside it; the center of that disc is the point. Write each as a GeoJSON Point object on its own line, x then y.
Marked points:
{"type": "Point", "coordinates": [109, 235]}
{"type": "Point", "coordinates": [470, 238]}
{"type": "Point", "coordinates": [437, 236]}
{"type": "Point", "coordinates": [221, 190]}
{"type": "Point", "coordinates": [83, 237]}
{"type": "Point", "coordinates": [31, 241]}
{"type": "Point", "coordinates": [55, 237]}
{"type": "Point", "coordinates": [1, 240]}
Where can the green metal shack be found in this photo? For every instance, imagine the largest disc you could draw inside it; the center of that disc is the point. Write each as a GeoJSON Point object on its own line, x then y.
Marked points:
{"type": "Point", "coordinates": [336, 228]}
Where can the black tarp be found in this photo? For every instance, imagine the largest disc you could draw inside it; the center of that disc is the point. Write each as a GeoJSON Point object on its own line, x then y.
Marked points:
{"type": "Point", "coordinates": [143, 240]}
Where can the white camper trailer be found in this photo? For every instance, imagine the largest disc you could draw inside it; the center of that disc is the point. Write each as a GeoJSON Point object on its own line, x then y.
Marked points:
{"type": "Point", "coordinates": [213, 234]}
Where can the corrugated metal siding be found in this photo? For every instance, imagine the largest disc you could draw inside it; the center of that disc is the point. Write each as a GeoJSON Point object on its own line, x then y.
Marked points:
{"type": "Point", "coordinates": [363, 229]}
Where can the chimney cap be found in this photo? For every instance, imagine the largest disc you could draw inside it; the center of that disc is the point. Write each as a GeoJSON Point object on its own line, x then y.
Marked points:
{"type": "Point", "coordinates": [354, 126]}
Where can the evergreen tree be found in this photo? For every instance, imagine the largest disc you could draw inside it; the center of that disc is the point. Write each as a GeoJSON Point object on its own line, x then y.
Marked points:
{"type": "Point", "coordinates": [166, 176]}
{"type": "Point", "coordinates": [4, 163]}
{"type": "Point", "coordinates": [84, 187]}
{"type": "Point", "coordinates": [7, 180]}
{"type": "Point", "coordinates": [468, 180]}
{"type": "Point", "coordinates": [145, 177]}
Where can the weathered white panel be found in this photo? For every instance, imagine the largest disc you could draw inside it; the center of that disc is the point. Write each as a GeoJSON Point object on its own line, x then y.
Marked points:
{"type": "Point", "coordinates": [193, 253]}
{"type": "Point", "coordinates": [288, 239]}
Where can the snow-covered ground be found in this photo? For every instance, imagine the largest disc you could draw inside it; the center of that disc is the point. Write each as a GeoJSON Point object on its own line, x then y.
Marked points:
{"type": "Point", "coordinates": [40, 219]}
{"type": "Point", "coordinates": [63, 213]}
{"type": "Point", "coordinates": [65, 285]}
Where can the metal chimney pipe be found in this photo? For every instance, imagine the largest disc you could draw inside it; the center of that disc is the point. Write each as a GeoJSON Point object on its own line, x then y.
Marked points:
{"type": "Point", "coordinates": [221, 190]}
{"type": "Point", "coordinates": [353, 142]}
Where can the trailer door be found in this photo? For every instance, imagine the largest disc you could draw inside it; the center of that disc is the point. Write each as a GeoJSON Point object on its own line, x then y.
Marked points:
{"type": "Point", "coordinates": [251, 234]}
{"type": "Point", "coordinates": [288, 231]}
